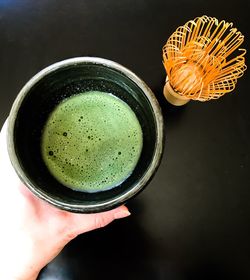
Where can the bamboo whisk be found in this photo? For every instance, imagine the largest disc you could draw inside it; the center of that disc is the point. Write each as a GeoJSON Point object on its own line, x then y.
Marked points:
{"type": "Point", "coordinates": [200, 62]}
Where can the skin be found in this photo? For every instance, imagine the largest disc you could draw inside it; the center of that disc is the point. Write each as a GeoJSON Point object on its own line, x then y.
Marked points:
{"type": "Point", "coordinates": [32, 231]}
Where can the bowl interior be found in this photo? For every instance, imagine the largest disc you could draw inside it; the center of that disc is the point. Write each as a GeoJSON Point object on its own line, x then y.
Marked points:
{"type": "Point", "coordinates": [48, 93]}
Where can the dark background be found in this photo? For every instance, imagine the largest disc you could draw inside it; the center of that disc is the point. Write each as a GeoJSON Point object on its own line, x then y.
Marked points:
{"type": "Point", "coordinates": [193, 220]}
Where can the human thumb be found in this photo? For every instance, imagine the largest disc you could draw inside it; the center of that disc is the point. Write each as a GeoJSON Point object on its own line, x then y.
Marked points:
{"type": "Point", "coordinates": [87, 222]}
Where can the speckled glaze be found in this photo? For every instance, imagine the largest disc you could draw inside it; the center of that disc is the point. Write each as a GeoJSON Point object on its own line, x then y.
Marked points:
{"type": "Point", "coordinates": [44, 92]}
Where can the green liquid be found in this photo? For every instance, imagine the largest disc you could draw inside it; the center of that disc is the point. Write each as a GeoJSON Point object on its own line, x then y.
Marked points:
{"type": "Point", "coordinates": [92, 142]}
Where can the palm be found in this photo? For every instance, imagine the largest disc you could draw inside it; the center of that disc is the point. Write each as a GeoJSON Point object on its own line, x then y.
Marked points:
{"type": "Point", "coordinates": [34, 232]}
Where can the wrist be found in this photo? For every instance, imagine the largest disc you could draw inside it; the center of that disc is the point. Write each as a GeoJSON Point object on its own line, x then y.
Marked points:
{"type": "Point", "coordinates": [21, 263]}
{"type": "Point", "coordinates": [8, 275]}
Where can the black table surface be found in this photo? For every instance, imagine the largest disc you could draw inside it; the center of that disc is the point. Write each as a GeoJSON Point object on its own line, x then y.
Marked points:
{"type": "Point", "coordinates": [193, 219]}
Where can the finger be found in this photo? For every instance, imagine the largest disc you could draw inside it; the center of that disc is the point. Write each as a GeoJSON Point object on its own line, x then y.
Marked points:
{"type": "Point", "coordinates": [81, 223]}
{"type": "Point", "coordinates": [7, 173]}
{"type": "Point", "coordinates": [4, 156]}
{"type": "Point", "coordinates": [3, 145]}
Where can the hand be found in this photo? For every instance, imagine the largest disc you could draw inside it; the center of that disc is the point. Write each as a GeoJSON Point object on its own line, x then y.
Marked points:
{"type": "Point", "coordinates": [32, 231]}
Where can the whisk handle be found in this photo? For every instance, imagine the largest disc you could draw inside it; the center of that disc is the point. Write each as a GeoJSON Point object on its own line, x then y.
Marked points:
{"type": "Point", "coordinates": [173, 97]}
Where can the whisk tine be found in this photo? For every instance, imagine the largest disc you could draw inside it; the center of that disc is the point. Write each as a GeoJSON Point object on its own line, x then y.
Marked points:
{"type": "Point", "coordinates": [198, 58]}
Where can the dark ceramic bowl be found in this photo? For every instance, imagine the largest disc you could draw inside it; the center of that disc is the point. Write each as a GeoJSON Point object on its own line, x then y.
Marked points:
{"type": "Point", "coordinates": [39, 97]}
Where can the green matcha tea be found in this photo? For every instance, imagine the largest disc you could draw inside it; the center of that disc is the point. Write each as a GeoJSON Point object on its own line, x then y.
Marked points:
{"type": "Point", "coordinates": [92, 142]}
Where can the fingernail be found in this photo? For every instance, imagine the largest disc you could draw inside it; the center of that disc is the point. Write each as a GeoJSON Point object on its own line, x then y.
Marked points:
{"type": "Point", "coordinates": [122, 214]}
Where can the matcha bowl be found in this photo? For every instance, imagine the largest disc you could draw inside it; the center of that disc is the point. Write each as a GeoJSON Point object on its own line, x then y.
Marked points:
{"type": "Point", "coordinates": [45, 168]}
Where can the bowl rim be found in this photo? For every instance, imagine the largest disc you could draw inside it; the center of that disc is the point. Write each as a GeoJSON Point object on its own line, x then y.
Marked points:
{"type": "Point", "coordinates": [98, 206]}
